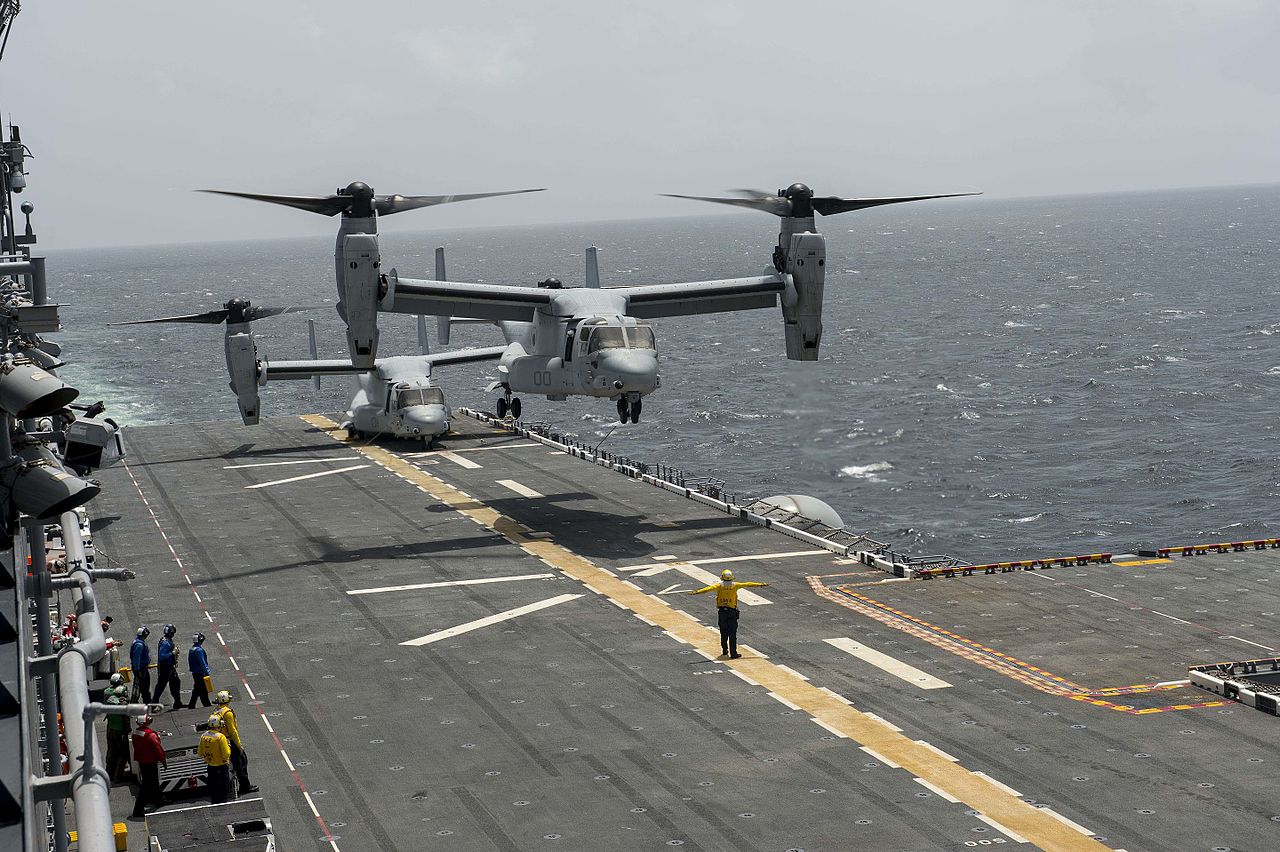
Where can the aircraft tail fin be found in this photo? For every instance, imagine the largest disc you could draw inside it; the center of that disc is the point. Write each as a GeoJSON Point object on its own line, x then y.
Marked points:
{"type": "Point", "coordinates": [593, 268]}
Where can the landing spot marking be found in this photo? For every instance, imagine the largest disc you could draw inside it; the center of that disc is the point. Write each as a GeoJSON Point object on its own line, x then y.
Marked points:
{"type": "Point", "coordinates": [442, 584]}
{"type": "Point", "coordinates": [884, 662]}
{"type": "Point", "coordinates": [718, 560]}
{"type": "Point", "coordinates": [459, 460]}
{"type": "Point", "coordinates": [522, 490]}
{"type": "Point", "coordinates": [496, 618]}
{"type": "Point", "coordinates": [1254, 644]}
{"type": "Point", "coordinates": [979, 793]}
{"type": "Point", "coordinates": [307, 476]}
{"type": "Point", "coordinates": [278, 463]}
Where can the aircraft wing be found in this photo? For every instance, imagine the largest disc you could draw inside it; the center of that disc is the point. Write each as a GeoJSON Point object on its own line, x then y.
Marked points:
{"type": "Point", "coordinates": [288, 370]}
{"type": "Point", "coordinates": [701, 297]}
{"type": "Point", "coordinates": [491, 302]}
{"type": "Point", "coordinates": [465, 356]}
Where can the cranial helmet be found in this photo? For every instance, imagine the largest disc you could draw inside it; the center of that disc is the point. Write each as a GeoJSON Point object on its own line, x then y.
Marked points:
{"type": "Point", "coordinates": [144, 631]}
{"type": "Point", "coordinates": [144, 719]}
{"type": "Point", "coordinates": [169, 630]}
{"type": "Point", "coordinates": [216, 722]}
{"type": "Point", "coordinates": [198, 638]}
{"type": "Point", "coordinates": [117, 679]}
{"type": "Point", "coordinates": [223, 697]}
{"type": "Point", "coordinates": [726, 574]}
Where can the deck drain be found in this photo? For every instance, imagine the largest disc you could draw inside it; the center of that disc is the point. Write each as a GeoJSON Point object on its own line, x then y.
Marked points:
{"type": "Point", "coordinates": [520, 804]}
{"type": "Point", "coordinates": [639, 810]}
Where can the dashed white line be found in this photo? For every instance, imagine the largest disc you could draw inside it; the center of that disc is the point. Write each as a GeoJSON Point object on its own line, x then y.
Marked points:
{"type": "Point", "coordinates": [784, 702]}
{"type": "Point", "coordinates": [886, 663]}
{"type": "Point", "coordinates": [828, 728]}
{"type": "Point", "coordinates": [459, 460]}
{"type": "Point", "coordinates": [1005, 830]}
{"type": "Point", "coordinates": [1170, 617]}
{"type": "Point", "coordinates": [717, 560]}
{"type": "Point", "coordinates": [267, 722]}
{"type": "Point", "coordinates": [1067, 822]}
{"type": "Point", "coordinates": [522, 490]}
{"type": "Point", "coordinates": [1254, 644]}
{"type": "Point", "coordinates": [939, 752]}
{"type": "Point", "coordinates": [985, 777]}
{"type": "Point", "coordinates": [880, 757]}
{"type": "Point", "coordinates": [937, 791]}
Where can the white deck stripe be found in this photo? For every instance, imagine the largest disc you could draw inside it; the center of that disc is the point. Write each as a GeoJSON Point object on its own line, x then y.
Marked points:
{"type": "Point", "coordinates": [1255, 644]}
{"type": "Point", "coordinates": [937, 791]}
{"type": "Point", "coordinates": [522, 490]}
{"type": "Point", "coordinates": [985, 777]}
{"type": "Point", "coordinates": [1067, 822]}
{"type": "Point", "coordinates": [307, 476]}
{"type": "Point", "coordinates": [426, 453]}
{"type": "Point", "coordinates": [278, 463]}
{"type": "Point", "coordinates": [459, 460]}
{"type": "Point", "coordinates": [489, 619]}
{"type": "Point", "coordinates": [785, 555]}
{"type": "Point", "coordinates": [1005, 830]}
{"type": "Point", "coordinates": [443, 583]}
{"type": "Point", "coordinates": [884, 662]}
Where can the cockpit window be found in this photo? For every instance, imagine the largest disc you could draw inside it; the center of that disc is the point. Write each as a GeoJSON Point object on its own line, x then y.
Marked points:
{"type": "Point", "coordinates": [607, 337]}
{"type": "Point", "coordinates": [419, 396]}
{"type": "Point", "coordinates": [641, 337]}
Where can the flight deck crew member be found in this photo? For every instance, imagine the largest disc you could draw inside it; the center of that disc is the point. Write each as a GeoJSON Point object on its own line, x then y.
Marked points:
{"type": "Point", "coordinates": [239, 760]}
{"type": "Point", "coordinates": [117, 730]}
{"type": "Point", "coordinates": [140, 662]}
{"type": "Point", "coordinates": [149, 752]}
{"type": "Point", "coordinates": [167, 669]}
{"type": "Point", "coordinates": [198, 662]}
{"type": "Point", "coordinates": [216, 753]}
{"type": "Point", "coordinates": [727, 610]}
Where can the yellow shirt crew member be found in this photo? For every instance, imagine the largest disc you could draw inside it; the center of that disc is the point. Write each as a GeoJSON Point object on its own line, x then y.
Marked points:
{"type": "Point", "coordinates": [230, 728]}
{"type": "Point", "coordinates": [215, 751]}
{"type": "Point", "coordinates": [214, 748]}
{"type": "Point", "coordinates": [727, 610]}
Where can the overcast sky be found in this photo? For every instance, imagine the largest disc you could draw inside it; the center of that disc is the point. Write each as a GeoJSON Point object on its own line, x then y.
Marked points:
{"type": "Point", "coordinates": [128, 106]}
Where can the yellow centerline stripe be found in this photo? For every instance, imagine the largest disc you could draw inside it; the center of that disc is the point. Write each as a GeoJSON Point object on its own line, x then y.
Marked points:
{"type": "Point", "coordinates": [976, 792]}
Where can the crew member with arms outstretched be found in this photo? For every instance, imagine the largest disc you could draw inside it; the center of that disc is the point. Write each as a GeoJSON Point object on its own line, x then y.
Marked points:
{"type": "Point", "coordinates": [727, 610]}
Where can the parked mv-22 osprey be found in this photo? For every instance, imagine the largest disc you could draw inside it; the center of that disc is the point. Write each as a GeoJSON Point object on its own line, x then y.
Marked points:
{"type": "Point", "coordinates": [588, 341]}
{"type": "Point", "coordinates": [397, 397]}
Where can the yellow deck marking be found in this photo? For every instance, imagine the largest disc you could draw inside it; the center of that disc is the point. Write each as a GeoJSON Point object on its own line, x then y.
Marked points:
{"type": "Point", "coordinates": [988, 799]}
{"type": "Point", "coordinates": [1143, 562]}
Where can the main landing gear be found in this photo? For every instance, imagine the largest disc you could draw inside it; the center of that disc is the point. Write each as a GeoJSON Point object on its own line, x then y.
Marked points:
{"type": "Point", "coordinates": [629, 409]}
{"type": "Point", "coordinates": [507, 404]}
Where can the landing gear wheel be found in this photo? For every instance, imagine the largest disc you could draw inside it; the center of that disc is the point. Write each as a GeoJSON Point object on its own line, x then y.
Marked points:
{"type": "Point", "coordinates": [624, 410]}
{"type": "Point", "coordinates": [635, 411]}
{"type": "Point", "coordinates": [502, 407]}
{"type": "Point", "coordinates": [354, 434]}
{"type": "Point", "coordinates": [515, 408]}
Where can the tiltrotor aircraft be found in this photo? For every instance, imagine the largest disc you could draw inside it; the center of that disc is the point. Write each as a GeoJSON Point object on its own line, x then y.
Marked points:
{"type": "Point", "coordinates": [396, 397]}
{"type": "Point", "coordinates": [591, 341]}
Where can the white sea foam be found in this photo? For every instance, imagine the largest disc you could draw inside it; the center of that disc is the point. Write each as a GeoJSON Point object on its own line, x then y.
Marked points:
{"type": "Point", "coordinates": [868, 472]}
{"type": "Point", "coordinates": [1012, 324]}
{"type": "Point", "coordinates": [1028, 519]}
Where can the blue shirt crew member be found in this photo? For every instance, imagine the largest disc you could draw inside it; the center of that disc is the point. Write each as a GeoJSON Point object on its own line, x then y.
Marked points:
{"type": "Point", "coordinates": [727, 610]}
{"type": "Point", "coordinates": [167, 669]}
{"type": "Point", "coordinates": [140, 662]}
{"type": "Point", "coordinates": [198, 662]}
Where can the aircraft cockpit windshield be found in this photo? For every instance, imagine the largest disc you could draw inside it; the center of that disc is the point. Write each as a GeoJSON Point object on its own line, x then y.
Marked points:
{"type": "Point", "coordinates": [618, 337]}
{"type": "Point", "coordinates": [641, 337]}
{"type": "Point", "coordinates": [419, 396]}
{"type": "Point", "coordinates": [606, 337]}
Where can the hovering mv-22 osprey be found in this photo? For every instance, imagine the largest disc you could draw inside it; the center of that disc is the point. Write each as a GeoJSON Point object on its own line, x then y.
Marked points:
{"type": "Point", "coordinates": [586, 341]}
{"type": "Point", "coordinates": [397, 397]}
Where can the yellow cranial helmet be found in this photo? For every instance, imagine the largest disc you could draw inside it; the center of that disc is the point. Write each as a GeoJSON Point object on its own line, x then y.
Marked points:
{"type": "Point", "coordinates": [726, 574]}
{"type": "Point", "coordinates": [223, 697]}
{"type": "Point", "coordinates": [216, 722]}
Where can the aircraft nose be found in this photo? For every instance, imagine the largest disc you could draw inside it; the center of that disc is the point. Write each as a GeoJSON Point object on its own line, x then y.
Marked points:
{"type": "Point", "coordinates": [630, 370]}
{"type": "Point", "coordinates": [425, 420]}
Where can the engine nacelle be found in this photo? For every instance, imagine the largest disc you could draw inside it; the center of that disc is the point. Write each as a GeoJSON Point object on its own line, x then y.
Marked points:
{"type": "Point", "coordinates": [806, 263]}
{"type": "Point", "coordinates": [359, 297]}
{"type": "Point", "coordinates": [242, 366]}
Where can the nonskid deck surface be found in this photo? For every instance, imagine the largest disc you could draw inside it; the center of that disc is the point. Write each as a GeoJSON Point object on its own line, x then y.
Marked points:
{"type": "Point", "coordinates": [558, 696]}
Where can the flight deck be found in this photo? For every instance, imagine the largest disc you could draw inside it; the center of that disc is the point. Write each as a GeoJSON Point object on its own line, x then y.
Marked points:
{"type": "Point", "coordinates": [489, 646]}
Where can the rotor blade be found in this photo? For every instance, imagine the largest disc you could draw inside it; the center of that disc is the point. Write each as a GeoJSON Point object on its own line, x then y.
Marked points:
{"type": "Point", "coordinates": [388, 204]}
{"type": "Point", "coordinates": [257, 312]}
{"type": "Point", "coordinates": [209, 317]}
{"type": "Point", "coordinates": [759, 201]}
{"type": "Point", "coordinates": [831, 205]}
{"type": "Point", "coordinates": [329, 205]}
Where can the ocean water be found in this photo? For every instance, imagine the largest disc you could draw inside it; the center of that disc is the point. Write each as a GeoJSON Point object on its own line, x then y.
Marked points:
{"type": "Point", "coordinates": [999, 378]}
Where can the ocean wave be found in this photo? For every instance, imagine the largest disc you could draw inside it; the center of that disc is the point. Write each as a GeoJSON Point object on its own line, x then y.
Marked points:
{"type": "Point", "coordinates": [1028, 519]}
{"type": "Point", "coordinates": [868, 472]}
{"type": "Point", "coordinates": [1012, 324]}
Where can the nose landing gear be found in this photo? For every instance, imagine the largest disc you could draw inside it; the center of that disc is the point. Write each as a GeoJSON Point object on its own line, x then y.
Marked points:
{"type": "Point", "coordinates": [629, 408]}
